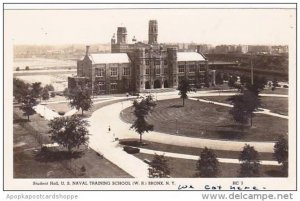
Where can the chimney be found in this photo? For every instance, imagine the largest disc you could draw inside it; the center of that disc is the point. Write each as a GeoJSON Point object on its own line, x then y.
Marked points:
{"type": "Point", "coordinates": [87, 50]}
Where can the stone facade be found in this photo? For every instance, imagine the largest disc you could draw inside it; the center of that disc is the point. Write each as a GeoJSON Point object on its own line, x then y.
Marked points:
{"type": "Point", "coordinates": [138, 66]}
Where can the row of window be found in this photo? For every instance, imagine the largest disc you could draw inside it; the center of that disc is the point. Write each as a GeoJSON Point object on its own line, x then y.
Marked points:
{"type": "Point", "coordinates": [101, 86]}
{"type": "Point", "coordinates": [100, 72]}
{"type": "Point", "coordinates": [191, 68]}
{"type": "Point", "coordinates": [157, 71]}
{"type": "Point", "coordinates": [156, 62]}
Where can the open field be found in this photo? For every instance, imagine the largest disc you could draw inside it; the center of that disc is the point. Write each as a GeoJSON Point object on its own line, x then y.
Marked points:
{"type": "Point", "coordinates": [59, 81]}
{"type": "Point", "coordinates": [42, 63]}
{"type": "Point", "coordinates": [204, 120]}
{"type": "Point", "coordinates": [275, 104]}
{"type": "Point", "coordinates": [183, 168]}
{"type": "Point", "coordinates": [30, 162]}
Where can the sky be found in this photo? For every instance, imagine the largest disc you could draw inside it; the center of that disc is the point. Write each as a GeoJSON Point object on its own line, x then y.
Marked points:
{"type": "Point", "coordinates": [209, 26]}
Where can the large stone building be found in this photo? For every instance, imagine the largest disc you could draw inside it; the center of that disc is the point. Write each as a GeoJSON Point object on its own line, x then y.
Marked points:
{"type": "Point", "coordinates": [138, 66]}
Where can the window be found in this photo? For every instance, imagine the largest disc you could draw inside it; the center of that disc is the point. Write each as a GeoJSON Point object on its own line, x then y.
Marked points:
{"type": "Point", "coordinates": [192, 68]}
{"type": "Point", "coordinates": [165, 62]}
{"type": "Point", "coordinates": [157, 62]}
{"type": "Point", "coordinates": [157, 70]}
{"type": "Point", "coordinates": [99, 87]}
{"type": "Point", "coordinates": [113, 71]}
{"type": "Point", "coordinates": [99, 72]}
{"type": "Point", "coordinates": [147, 62]}
{"type": "Point", "coordinates": [113, 86]}
{"type": "Point", "coordinates": [192, 80]}
{"type": "Point", "coordinates": [181, 68]}
{"type": "Point", "coordinates": [201, 67]}
{"type": "Point", "coordinates": [126, 71]}
{"type": "Point", "coordinates": [147, 71]}
{"type": "Point", "coordinates": [166, 70]}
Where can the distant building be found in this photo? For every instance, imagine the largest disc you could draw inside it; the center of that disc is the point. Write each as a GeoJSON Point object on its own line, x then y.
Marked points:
{"type": "Point", "coordinates": [259, 49]}
{"type": "Point", "coordinates": [138, 66]}
{"type": "Point", "coordinates": [242, 49]}
{"type": "Point", "coordinates": [279, 49]}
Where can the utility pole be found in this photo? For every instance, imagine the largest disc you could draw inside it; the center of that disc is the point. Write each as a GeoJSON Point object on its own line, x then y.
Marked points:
{"type": "Point", "coordinates": [251, 63]}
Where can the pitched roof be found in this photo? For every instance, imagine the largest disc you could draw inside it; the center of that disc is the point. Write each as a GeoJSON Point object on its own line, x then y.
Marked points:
{"type": "Point", "coordinates": [106, 58]}
{"type": "Point", "coordinates": [189, 56]}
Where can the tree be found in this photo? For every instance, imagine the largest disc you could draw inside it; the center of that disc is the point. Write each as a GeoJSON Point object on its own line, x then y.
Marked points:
{"type": "Point", "coordinates": [281, 153]}
{"type": "Point", "coordinates": [257, 86]}
{"type": "Point", "coordinates": [27, 106]}
{"type": "Point", "coordinates": [219, 79]}
{"type": "Point", "coordinates": [45, 94]}
{"type": "Point", "coordinates": [141, 111]}
{"type": "Point", "coordinates": [52, 94]}
{"type": "Point", "coordinates": [208, 164]}
{"type": "Point", "coordinates": [250, 163]}
{"type": "Point", "coordinates": [36, 90]}
{"type": "Point", "coordinates": [184, 88]}
{"type": "Point", "coordinates": [49, 87]}
{"type": "Point", "coordinates": [20, 89]}
{"type": "Point", "coordinates": [244, 104]}
{"type": "Point", "coordinates": [232, 80]}
{"type": "Point", "coordinates": [274, 84]}
{"type": "Point", "coordinates": [159, 167]}
{"type": "Point", "coordinates": [80, 99]}
{"type": "Point", "coordinates": [69, 132]}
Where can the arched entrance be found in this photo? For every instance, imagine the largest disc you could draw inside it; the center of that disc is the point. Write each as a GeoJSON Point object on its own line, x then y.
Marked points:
{"type": "Point", "coordinates": [157, 84]}
{"type": "Point", "coordinates": [166, 84]}
{"type": "Point", "coordinates": [147, 85]}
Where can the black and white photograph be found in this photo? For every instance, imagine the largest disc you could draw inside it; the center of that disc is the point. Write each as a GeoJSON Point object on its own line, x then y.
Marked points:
{"type": "Point", "coordinates": [150, 97]}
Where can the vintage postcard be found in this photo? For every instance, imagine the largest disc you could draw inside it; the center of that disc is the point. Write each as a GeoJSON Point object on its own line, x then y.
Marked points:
{"type": "Point", "coordinates": [150, 97]}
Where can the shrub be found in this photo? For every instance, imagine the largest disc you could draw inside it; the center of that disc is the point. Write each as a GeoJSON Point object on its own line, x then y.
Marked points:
{"type": "Point", "coordinates": [18, 68]}
{"type": "Point", "coordinates": [61, 113]}
{"type": "Point", "coordinates": [285, 86]}
{"type": "Point", "coordinates": [83, 169]}
{"type": "Point", "coordinates": [52, 94]}
{"type": "Point", "coordinates": [131, 150]}
{"type": "Point", "coordinates": [44, 149]}
{"type": "Point", "coordinates": [27, 68]}
{"type": "Point", "coordinates": [133, 143]}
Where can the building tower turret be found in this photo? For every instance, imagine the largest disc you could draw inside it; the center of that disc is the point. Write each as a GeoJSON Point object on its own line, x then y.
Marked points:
{"type": "Point", "coordinates": [172, 65]}
{"type": "Point", "coordinates": [113, 39]}
{"type": "Point", "coordinates": [153, 32]}
{"type": "Point", "coordinates": [121, 35]}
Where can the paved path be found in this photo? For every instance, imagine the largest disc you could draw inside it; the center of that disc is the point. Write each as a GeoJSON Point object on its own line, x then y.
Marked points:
{"type": "Point", "coordinates": [49, 114]}
{"type": "Point", "coordinates": [193, 157]}
{"type": "Point", "coordinates": [103, 142]}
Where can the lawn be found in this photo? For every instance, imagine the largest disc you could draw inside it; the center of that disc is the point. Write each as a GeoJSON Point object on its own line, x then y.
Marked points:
{"type": "Point", "coordinates": [65, 107]}
{"type": "Point", "coordinates": [183, 168]}
{"type": "Point", "coordinates": [283, 91]}
{"type": "Point", "coordinates": [204, 120]}
{"type": "Point", "coordinates": [189, 150]}
{"type": "Point", "coordinates": [277, 105]}
{"type": "Point", "coordinates": [30, 162]}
